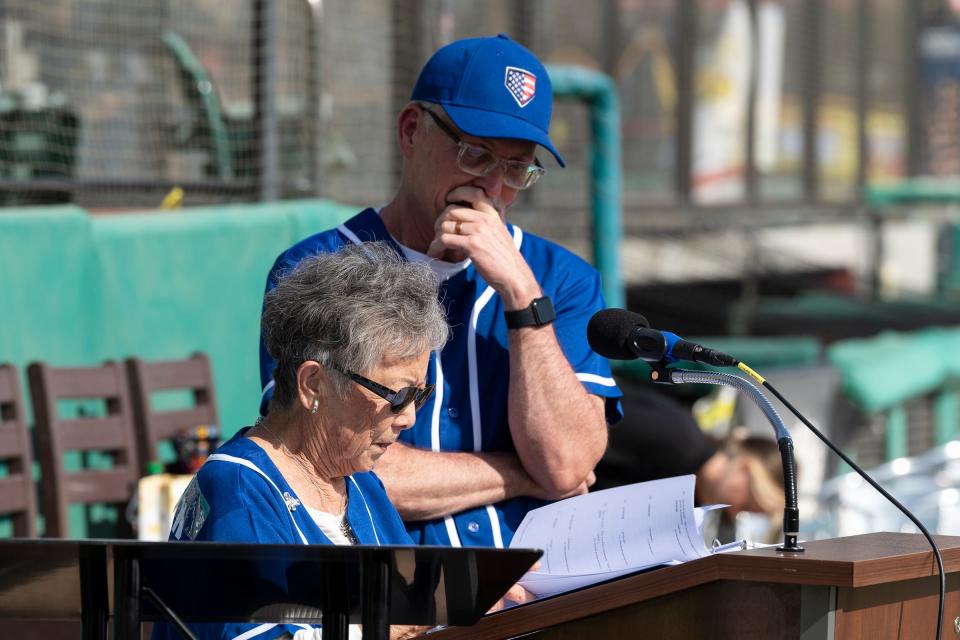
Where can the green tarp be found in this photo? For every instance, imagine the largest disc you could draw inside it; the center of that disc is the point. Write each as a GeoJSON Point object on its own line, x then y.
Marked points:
{"type": "Point", "coordinates": [78, 289]}
{"type": "Point", "coordinates": [883, 371]}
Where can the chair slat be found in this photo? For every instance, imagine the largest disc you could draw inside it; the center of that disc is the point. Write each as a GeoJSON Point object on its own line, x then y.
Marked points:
{"type": "Point", "coordinates": [147, 378]}
{"type": "Point", "coordinates": [17, 495]}
{"type": "Point", "coordinates": [106, 485]}
{"type": "Point", "coordinates": [10, 441]}
{"type": "Point", "coordinates": [178, 374]}
{"type": "Point", "coordinates": [110, 433]}
{"type": "Point", "coordinates": [56, 435]}
{"type": "Point", "coordinates": [87, 382]}
{"type": "Point", "coordinates": [12, 489]}
{"type": "Point", "coordinates": [167, 424]}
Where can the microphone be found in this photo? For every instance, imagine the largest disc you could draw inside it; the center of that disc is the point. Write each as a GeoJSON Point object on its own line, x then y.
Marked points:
{"type": "Point", "coordinates": [619, 334]}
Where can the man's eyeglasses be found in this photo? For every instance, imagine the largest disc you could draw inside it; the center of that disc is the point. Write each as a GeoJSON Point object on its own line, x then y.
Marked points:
{"type": "Point", "coordinates": [398, 399]}
{"type": "Point", "coordinates": [477, 161]}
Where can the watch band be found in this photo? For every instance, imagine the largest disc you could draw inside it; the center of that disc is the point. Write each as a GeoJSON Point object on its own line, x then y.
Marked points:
{"type": "Point", "coordinates": [539, 313]}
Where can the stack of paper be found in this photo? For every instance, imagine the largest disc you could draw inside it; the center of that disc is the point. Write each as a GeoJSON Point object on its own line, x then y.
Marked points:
{"type": "Point", "coordinates": [602, 535]}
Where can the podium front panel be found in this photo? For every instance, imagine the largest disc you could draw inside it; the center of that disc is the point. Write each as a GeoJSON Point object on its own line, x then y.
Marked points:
{"type": "Point", "coordinates": [218, 582]}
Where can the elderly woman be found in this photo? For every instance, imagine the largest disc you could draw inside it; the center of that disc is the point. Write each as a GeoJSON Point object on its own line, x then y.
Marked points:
{"type": "Point", "coordinates": [352, 333]}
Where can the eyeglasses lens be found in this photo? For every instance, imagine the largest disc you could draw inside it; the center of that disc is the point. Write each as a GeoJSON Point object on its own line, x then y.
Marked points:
{"type": "Point", "coordinates": [480, 162]}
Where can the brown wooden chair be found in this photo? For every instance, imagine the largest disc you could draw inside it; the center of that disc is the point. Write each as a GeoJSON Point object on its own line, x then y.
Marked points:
{"type": "Point", "coordinates": [155, 425]}
{"type": "Point", "coordinates": [112, 434]}
{"type": "Point", "coordinates": [17, 497]}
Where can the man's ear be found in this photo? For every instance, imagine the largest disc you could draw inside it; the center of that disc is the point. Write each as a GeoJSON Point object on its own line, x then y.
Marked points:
{"type": "Point", "coordinates": [311, 380]}
{"type": "Point", "coordinates": [409, 123]}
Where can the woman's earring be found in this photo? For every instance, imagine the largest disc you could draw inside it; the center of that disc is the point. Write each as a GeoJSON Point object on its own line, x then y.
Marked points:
{"type": "Point", "coordinates": [316, 405]}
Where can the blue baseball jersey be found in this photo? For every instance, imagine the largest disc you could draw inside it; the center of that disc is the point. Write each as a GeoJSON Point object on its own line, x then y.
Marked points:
{"type": "Point", "coordinates": [468, 410]}
{"type": "Point", "coordinates": [239, 495]}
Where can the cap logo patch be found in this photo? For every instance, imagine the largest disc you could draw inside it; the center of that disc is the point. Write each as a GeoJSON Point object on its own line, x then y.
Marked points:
{"type": "Point", "coordinates": [521, 84]}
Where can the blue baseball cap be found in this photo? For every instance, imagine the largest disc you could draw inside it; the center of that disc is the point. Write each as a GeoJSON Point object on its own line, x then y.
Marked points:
{"type": "Point", "coordinates": [491, 87]}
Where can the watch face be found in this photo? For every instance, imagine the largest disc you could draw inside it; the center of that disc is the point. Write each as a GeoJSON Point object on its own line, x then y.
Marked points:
{"type": "Point", "coordinates": [535, 308]}
{"type": "Point", "coordinates": [542, 311]}
{"type": "Point", "coordinates": [539, 313]}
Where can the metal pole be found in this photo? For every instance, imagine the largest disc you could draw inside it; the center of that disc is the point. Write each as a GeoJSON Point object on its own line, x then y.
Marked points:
{"type": "Point", "coordinates": [912, 95]}
{"type": "Point", "coordinates": [599, 92]}
{"type": "Point", "coordinates": [686, 40]}
{"type": "Point", "coordinates": [265, 41]}
{"type": "Point", "coordinates": [524, 24]}
{"type": "Point", "coordinates": [408, 48]}
{"type": "Point", "coordinates": [811, 99]}
{"type": "Point", "coordinates": [315, 88]}
{"type": "Point", "coordinates": [750, 138]}
{"type": "Point", "coordinates": [864, 54]}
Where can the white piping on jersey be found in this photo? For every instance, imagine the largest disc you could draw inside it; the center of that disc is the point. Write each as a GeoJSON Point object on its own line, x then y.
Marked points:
{"type": "Point", "coordinates": [373, 524]}
{"type": "Point", "coordinates": [472, 363]}
{"type": "Point", "coordinates": [222, 457]}
{"type": "Point", "coordinates": [474, 394]}
{"type": "Point", "coordinates": [350, 234]}
{"type": "Point", "coordinates": [448, 522]}
{"type": "Point", "coordinates": [595, 379]}
{"type": "Point", "coordinates": [437, 405]}
{"type": "Point", "coordinates": [267, 389]}
{"type": "Point", "coordinates": [495, 527]}
{"type": "Point", "coordinates": [250, 633]}
{"type": "Point", "coordinates": [475, 389]}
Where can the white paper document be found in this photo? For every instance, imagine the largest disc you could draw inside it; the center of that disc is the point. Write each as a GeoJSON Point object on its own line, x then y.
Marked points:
{"type": "Point", "coordinates": [602, 535]}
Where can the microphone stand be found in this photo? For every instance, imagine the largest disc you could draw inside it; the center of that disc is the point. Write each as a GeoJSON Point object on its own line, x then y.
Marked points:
{"type": "Point", "coordinates": [791, 514]}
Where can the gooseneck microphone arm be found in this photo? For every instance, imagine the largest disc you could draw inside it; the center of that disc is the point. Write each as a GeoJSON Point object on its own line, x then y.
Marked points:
{"type": "Point", "coordinates": [619, 334]}
{"type": "Point", "coordinates": [791, 513]}
{"type": "Point", "coordinates": [942, 575]}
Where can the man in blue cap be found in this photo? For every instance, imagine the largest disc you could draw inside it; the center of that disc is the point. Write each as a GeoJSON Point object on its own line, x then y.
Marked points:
{"type": "Point", "coordinates": [522, 403]}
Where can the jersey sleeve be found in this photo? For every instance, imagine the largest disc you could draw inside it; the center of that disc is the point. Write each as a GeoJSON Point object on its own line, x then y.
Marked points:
{"type": "Point", "coordinates": [575, 302]}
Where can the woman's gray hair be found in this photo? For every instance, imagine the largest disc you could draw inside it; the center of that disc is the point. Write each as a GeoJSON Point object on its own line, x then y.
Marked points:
{"type": "Point", "coordinates": [350, 308]}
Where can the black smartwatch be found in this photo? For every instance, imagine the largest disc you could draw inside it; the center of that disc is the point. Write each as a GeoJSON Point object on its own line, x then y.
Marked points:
{"type": "Point", "coordinates": [539, 313]}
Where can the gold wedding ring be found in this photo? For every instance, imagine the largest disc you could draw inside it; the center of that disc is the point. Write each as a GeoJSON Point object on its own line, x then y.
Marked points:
{"type": "Point", "coordinates": [456, 228]}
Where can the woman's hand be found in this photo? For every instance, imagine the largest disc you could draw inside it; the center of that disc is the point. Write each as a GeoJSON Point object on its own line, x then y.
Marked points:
{"type": "Point", "coordinates": [516, 595]}
{"type": "Point", "coordinates": [404, 631]}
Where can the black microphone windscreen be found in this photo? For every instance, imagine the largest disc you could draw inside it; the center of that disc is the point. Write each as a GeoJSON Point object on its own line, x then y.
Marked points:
{"type": "Point", "coordinates": [608, 332]}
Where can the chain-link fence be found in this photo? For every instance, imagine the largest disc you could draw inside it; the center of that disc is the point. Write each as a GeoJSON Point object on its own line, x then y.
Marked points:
{"type": "Point", "coordinates": [112, 103]}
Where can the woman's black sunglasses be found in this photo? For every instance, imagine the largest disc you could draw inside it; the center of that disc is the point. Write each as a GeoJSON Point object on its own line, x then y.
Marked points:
{"type": "Point", "coordinates": [398, 399]}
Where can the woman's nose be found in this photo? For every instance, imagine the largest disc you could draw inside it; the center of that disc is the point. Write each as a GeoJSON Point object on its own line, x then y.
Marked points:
{"type": "Point", "coordinates": [406, 418]}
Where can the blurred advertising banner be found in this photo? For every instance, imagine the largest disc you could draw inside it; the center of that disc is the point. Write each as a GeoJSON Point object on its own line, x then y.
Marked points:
{"type": "Point", "coordinates": [722, 93]}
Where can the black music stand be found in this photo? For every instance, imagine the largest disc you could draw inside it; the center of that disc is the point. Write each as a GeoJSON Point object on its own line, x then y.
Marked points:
{"type": "Point", "coordinates": [218, 582]}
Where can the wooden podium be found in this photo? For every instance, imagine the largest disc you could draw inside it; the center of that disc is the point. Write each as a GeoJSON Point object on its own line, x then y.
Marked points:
{"type": "Point", "coordinates": [873, 586]}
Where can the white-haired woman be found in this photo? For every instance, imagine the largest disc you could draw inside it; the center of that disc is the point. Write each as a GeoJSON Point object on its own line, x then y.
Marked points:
{"type": "Point", "coordinates": [351, 333]}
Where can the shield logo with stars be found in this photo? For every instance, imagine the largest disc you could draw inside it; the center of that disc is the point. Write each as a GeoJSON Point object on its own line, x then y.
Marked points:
{"type": "Point", "coordinates": [521, 84]}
